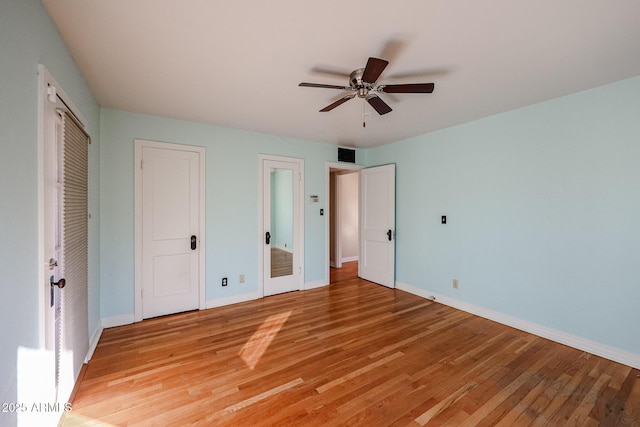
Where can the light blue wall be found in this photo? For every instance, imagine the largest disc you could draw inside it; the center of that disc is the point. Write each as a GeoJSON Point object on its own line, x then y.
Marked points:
{"type": "Point", "coordinates": [543, 213]}
{"type": "Point", "coordinates": [27, 38]}
{"type": "Point", "coordinates": [232, 195]}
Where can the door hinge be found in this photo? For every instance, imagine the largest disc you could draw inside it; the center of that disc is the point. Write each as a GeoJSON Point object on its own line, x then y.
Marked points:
{"type": "Point", "coordinates": [141, 161]}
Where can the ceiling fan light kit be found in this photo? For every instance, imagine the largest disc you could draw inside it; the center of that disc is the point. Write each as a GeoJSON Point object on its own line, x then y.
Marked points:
{"type": "Point", "coordinates": [363, 84]}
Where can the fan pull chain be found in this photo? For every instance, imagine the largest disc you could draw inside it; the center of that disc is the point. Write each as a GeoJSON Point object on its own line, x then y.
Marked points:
{"type": "Point", "coordinates": [364, 115]}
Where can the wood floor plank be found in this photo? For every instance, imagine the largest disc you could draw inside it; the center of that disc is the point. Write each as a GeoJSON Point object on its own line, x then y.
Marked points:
{"type": "Point", "coordinates": [243, 404]}
{"type": "Point", "coordinates": [445, 403]}
{"type": "Point", "coordinates": [352, 353]}
{"type": "Point", "coordinates": [360, 371]}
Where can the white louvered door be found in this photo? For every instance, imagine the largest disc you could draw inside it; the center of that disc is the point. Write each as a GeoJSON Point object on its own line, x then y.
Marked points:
{"type": "Point", "coordinates": [73, 327]}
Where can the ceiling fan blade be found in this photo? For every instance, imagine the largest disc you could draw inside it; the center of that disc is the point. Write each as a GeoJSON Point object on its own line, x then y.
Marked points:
{"type": "Point", "coordinates": [338, 102]}
{"type": "Point", "coordinates": [323, 86]}
{"type": "Point", "coordinates": [408, 88]}
{"type": "Point", "coordinates": [379, 105]}
{"type": "Point", "coordinates": [375, 67]}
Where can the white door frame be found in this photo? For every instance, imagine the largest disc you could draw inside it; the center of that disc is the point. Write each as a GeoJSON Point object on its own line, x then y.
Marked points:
{"type": "Point", "coordinates": [139, 144]}
{"type": "Point", "coordinates": [50, 93]}
{"type": "Point", "coordinates": [337, 209]}
{"type": "Point", "coordinates": [261, 234]}
{"type": "Point", "coordinates": [328, 167]}
{"type": "Point", "coordinates": [45, 79]}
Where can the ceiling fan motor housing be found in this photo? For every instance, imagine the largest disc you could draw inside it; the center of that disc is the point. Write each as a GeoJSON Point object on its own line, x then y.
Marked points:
{"type": "Point", "coordinates": [355, 80]}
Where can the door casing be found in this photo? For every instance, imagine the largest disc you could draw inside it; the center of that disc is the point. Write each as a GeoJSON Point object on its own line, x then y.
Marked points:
{"type": "Point", "coordinates": [328, 167]}
{"type": "Point", "coordinates": [139, 144]}
{"type": "Point", "coordinates": [47, 119]}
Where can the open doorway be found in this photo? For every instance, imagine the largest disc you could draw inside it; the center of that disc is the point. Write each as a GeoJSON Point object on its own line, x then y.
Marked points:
{"type": "Point", "coordinates": [343, 219]}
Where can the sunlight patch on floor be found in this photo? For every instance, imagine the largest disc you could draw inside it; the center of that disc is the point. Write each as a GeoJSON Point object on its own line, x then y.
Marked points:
{"type": "Point", "coordinates": [252, 351]}
{"type": "Point", "coordinates": [75, 420]}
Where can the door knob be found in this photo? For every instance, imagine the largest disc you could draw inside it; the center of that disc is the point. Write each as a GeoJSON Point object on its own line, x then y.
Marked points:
{"type": "Point", "coordinates": [60, 283]}
{"type": "Point", "coordinates": [389, 234]}
{"type": "Point", "coordinates": [193, 242]}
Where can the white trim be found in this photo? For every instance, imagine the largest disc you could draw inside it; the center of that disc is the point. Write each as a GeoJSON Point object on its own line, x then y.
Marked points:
{"type": "Point", "coordinates": [233, 299]}
{"type": "Point", "coordinates": [93, 341]}
{"type": "Point", "coordinates": [49, 80]}
{"type": "Point", "coordinates": [300, 163]}
{"type": "Point", "coordinates": [139, 144]}
{"type": "Point", "coordinates": [576, 342]}
{"type": "Point", "coordinates": [43, 77]}
{"type": "Point", "coordinates": [338, 222]}
{"type": "Point", "coordinates": [315, 284]}
{"type": "Point", "coordinates": [112, 322]}
{"type": "Point", "coordinates": [350, 258]}
{"type": "Point", "coordinates": [327, 225]}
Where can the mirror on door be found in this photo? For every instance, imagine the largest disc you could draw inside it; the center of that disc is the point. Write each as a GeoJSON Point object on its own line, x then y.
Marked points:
{"type": "Point", "coordinates": [281, 222]}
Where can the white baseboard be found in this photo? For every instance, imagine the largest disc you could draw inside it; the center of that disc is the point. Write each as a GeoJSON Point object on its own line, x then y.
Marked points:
{"type": "Point", "coordinates": [350, 258]}
{"type": "Point", "coordinates": [313, 285]}
{"type": "Point", "coordinates": [234, 299]}
{"type": "Point", "coordinates": [112, 322]}
{"type": "Point", "coordinates": [579, 343]}
{"type": "Point", "coordinates": [93, 341]}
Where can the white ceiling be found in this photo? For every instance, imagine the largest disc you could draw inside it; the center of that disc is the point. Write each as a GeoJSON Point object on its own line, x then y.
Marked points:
{"type": "Point", "coordinates": [238, 63]}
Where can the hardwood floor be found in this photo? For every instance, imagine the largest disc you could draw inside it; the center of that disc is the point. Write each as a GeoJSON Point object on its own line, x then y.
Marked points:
{"type": "Point", "coordinates": [353, 353]}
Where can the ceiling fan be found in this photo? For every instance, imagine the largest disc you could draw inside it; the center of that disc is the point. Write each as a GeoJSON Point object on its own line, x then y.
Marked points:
{"type": "Point", "coordinates": [363, 83]}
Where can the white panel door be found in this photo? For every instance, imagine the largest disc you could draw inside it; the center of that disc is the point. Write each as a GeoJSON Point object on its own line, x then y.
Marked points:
{"type": "Point", "coordinates": [282, 223]}
{"type": "Point", "coordinates": [170, 231]}
{"type": "Point", "coordinates": [377, 225]}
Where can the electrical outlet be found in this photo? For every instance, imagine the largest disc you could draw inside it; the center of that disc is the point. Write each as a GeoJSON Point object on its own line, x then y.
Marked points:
{"type": "Point", "coordinates": [224, 281]}
{"type": "Point", "coordinates": [455, 283]}
{"type": "Point", "coordinates": [241, 280]}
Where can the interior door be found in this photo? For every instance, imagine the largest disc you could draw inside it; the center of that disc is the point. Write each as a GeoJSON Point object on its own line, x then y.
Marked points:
{"type": "Point", "coordinates": [282, 220]}
{"type": "Point", "coordinates": [170, 231]}
{"type": "Point", "coordinates": [377, 225]}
